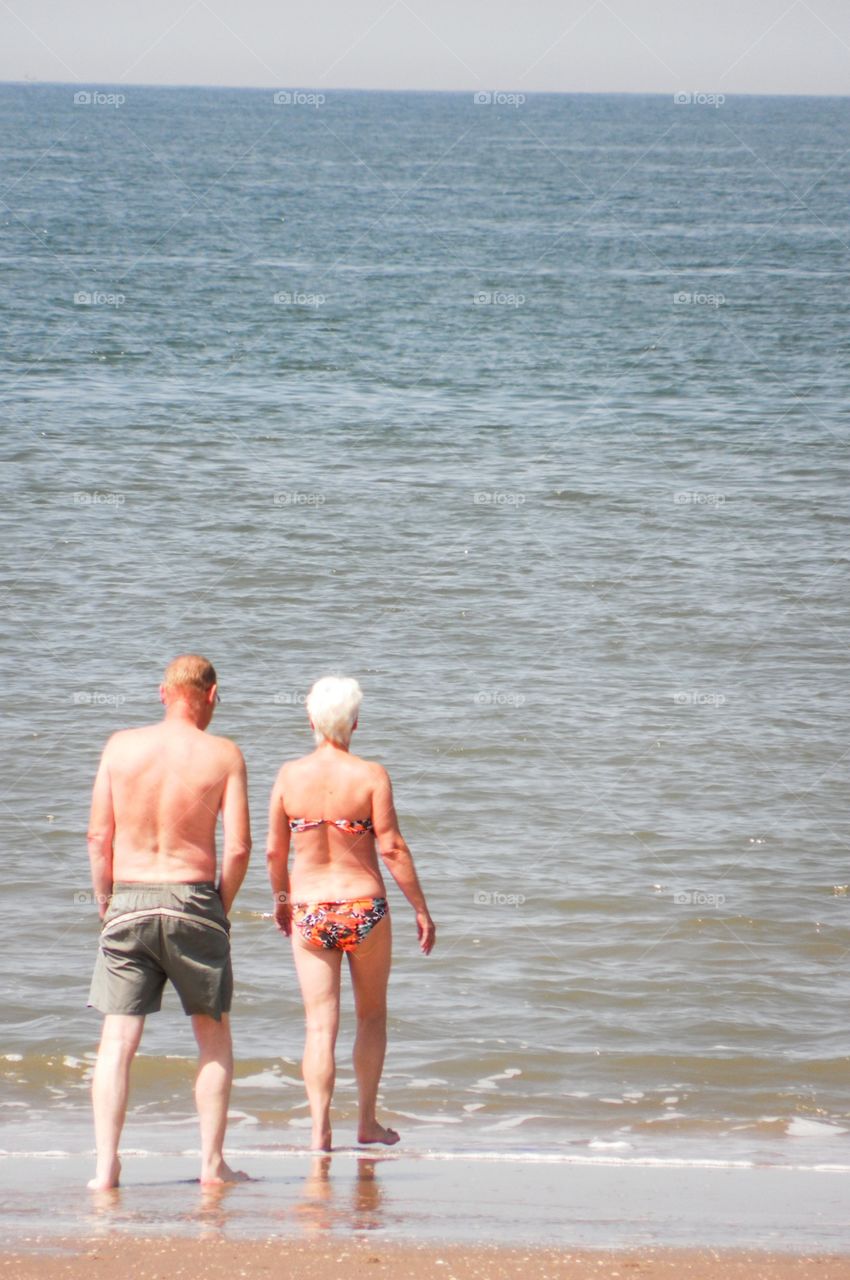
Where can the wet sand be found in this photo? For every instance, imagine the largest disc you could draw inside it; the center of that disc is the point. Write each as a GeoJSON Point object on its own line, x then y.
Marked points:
{"type": "Point", "coordinates": [152, 1259]}
{"type": "Point", "coordinates": [455, 1216]}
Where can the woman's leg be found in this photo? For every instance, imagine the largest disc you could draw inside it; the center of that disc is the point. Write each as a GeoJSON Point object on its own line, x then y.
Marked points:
{"type": "Point", "coordinates": [318, 974]}
{"type": "Point", "coordinates": [370, 972]}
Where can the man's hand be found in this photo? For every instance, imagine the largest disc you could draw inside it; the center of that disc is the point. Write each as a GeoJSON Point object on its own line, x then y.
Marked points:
{"type": "Point", "coordinates": [427, 931]}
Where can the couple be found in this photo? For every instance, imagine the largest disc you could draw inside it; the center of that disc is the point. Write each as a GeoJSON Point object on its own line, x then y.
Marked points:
{"type": "Point", "coordinates": [164, 905]}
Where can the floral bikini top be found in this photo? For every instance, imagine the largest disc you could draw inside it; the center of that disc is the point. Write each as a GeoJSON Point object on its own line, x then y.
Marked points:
{"type": "Point", "coordinates": [356, 827]}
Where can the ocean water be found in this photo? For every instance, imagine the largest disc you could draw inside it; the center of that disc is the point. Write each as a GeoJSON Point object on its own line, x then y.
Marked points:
{"type": "Point", "coordinates": [532, 417]}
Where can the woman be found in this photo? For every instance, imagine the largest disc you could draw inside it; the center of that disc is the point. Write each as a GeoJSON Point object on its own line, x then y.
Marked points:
{"type": "Point", "coordinates": [340, 809]}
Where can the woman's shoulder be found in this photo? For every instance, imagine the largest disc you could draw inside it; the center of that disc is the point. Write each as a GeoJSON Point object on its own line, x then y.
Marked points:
{"type": "Point", "coordinates": [291, 767]}
{"type": "Point", "coordinates": [373, 768]}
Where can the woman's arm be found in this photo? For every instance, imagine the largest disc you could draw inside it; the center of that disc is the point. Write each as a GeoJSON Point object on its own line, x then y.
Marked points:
{"type": "Point", "coordinates": [277, 858]}
{"type": "Point", "coordinates": [397, 856]}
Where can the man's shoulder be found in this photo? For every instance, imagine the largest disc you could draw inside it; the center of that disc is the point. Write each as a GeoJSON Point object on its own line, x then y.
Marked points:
{"type": "Point", "coordinates": [226, 747]}
{"type": "Point", "coordinates": [124, 738]}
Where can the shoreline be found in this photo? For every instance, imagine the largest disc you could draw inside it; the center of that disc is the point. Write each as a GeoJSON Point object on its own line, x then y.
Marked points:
{"type": "Point", "coordinates": [406, 1201]}
{"type": "Point", "coordinates": [221, 1259]}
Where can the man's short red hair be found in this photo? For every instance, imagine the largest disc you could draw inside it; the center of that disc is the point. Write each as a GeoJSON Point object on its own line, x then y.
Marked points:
{"type": "Point", "coordinates": [190, 672]}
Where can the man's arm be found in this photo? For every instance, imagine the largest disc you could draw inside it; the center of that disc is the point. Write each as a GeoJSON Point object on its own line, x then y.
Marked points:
{"type": "Point", "coordinates": [101, 833]}
{"type": "Point", "coordinates": [398, 858]}
{"type": "Point", "coordinates": [237, 830]}
{"type": "Point", "coordinates": [277, 858]}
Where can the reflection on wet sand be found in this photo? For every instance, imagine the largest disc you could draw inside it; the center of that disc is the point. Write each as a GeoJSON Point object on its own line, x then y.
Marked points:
{"type": "Point", "coordinates": [212, 1214]}
{"type": "Point", "coordinates": [320, 1209]}
{"type": "Point", "coordinates": [346, 1199]}
{"type": "Point", "coordinates": [104, 1207]}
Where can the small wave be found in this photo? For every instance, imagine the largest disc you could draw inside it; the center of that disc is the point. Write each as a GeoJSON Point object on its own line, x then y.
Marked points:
{"type": "Point", "coordinates": [489, 1082]}
{"type": "Point", "coordinates": [801, 1127]}
{"type": "Point", "coordinates": [264, 1080]}
{"type": "Point", "coordinates": [496, 1157]}
{"type": "Point", "coordinates": [514, 1122]}
{"type": "Point", "coordinates": [436, 1120]}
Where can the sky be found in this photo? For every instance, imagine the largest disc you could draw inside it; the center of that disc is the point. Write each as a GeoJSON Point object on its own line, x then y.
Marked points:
{"type": "Point", "coordinates": [568, 46]}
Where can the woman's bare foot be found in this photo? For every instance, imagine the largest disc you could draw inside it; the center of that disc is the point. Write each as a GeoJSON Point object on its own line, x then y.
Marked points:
{"type": "Point", "coordinates": [220, 1173]}
{"type": "Point", "coordinates": [321, 1140]}
{"type": "Point", "coordinates": [107, 1177]}
{"type": "Point", "coordinates": [377, 1133]}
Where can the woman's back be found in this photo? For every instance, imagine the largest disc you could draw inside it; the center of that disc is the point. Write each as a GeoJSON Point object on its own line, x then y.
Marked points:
{"type": "Point", "coordinates": [327, 800]}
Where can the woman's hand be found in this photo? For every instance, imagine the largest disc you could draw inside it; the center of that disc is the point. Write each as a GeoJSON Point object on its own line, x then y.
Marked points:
{"type": "Point", "coordinates": [427, 932]}
{"type": "Point", "coordinates": [283, 913]}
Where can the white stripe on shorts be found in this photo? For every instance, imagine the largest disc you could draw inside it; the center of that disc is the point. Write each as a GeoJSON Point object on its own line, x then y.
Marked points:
{"type": "Point", "coordinates": [127, 916]}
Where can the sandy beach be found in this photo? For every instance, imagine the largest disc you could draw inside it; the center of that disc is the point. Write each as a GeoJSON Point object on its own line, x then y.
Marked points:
{"type": "Point", "coordinates": [151, 1259]}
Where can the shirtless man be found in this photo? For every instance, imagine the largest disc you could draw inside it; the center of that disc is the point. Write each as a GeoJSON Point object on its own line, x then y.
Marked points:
{"type": "Point", "coordinates": [157, 796]}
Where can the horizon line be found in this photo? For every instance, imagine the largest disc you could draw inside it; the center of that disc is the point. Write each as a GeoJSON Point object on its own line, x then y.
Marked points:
{"type": "Point", "coordinates": [527, 93]}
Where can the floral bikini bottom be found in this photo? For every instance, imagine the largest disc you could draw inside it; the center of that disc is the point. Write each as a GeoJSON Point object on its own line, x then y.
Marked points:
{"type": "Point", "coordinates": [338, 926]}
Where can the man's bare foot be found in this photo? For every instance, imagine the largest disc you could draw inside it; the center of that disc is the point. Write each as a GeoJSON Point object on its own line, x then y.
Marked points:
{"type": "Point", "coordinates": [377, 1133]}
{"type": "Point", "coordinates": [222, 1173]}
{"type": "Point", "coordinates": [107, 1177]}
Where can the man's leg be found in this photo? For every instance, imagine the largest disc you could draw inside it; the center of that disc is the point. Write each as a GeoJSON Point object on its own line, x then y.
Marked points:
{"type": "Point", "coordinates": [370, 971]}
{"type": "Point", "coordinates": [212, 1094]}
{"type": "Point", "coordinates": [318, 975]}
{"type": "Point", "coordinates": [110, 1087]}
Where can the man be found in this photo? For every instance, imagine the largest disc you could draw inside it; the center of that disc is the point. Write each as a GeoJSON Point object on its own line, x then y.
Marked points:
{"type": "Point", "coordinates": [157, 796]}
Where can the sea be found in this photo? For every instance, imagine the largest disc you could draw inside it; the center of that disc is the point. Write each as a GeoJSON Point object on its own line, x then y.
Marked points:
{"type": "Point", "coordinates": [530, 412]}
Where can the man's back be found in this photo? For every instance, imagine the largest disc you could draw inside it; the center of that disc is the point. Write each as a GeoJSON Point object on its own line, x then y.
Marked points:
{"type": "Point", "coordinates": [167, 783]}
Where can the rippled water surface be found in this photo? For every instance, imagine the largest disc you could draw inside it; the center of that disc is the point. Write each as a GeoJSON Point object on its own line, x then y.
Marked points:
{"type": "Point", "coordinates": [535, 420]}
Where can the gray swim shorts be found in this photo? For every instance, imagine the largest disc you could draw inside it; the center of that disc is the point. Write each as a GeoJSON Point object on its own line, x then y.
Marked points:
{"type": "Point", "coordinates": [155, 932]}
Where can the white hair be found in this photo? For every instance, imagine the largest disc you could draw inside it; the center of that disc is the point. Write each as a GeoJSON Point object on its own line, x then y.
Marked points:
{"type": "Point", "coordinates": [332, 705]}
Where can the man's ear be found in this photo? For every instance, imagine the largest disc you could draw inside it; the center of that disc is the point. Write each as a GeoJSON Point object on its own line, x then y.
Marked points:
{"type": "Point", "coordinates": [162, 694]}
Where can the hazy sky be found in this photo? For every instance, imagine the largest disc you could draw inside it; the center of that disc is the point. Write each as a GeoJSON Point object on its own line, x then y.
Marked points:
{"type": "Point", "coordinates": [730, 46]}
